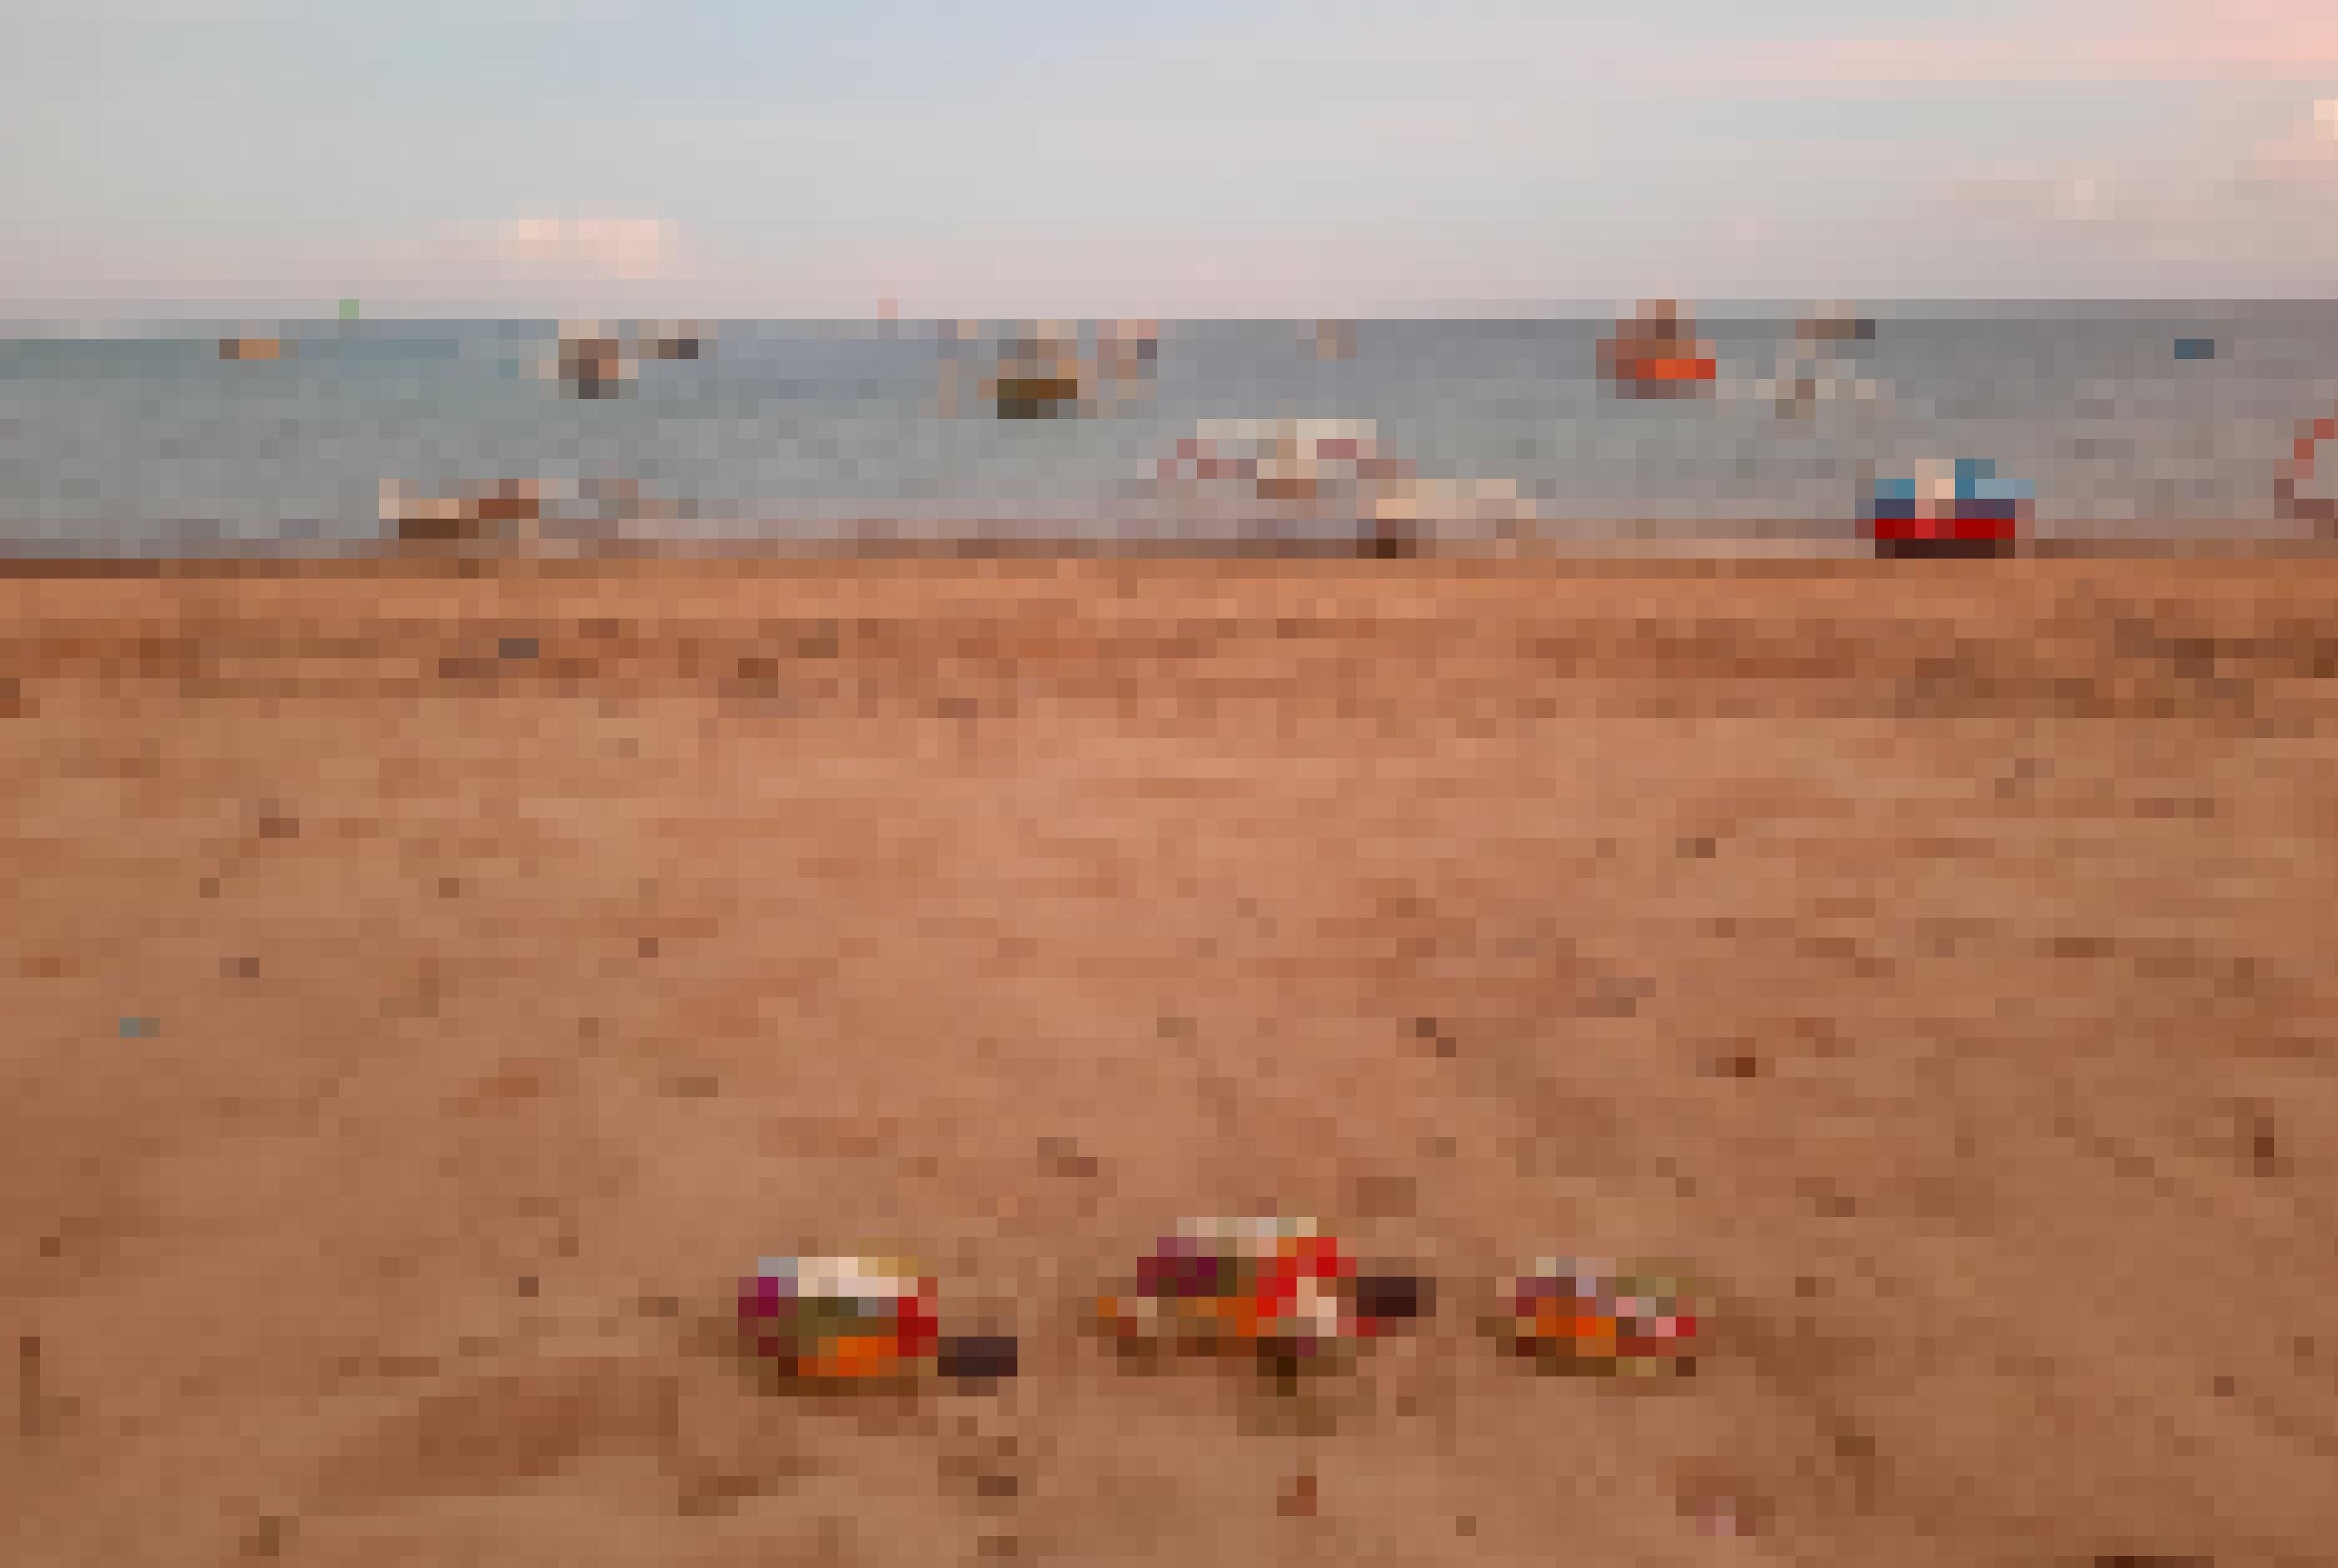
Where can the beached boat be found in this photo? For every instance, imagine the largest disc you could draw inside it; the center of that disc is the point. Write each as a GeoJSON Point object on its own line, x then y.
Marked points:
{"type": "Point", "coordinates": [505, 514]}
{"type": "Point", "coordinates": [1657, 354]}
{"type": "Point", "coordinates": [529, 517]}
{"type": "Point", "coordinates": [1949, 507]}
{"type": "Point", "coordinates": [2295, 485]}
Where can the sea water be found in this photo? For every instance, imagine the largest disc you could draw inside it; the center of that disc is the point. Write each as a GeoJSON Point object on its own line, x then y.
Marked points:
{"type": "Point", "coordinates": [142, 439]}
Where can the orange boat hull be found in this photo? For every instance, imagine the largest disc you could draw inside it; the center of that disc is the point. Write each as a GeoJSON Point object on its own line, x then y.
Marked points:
{"type": "Point", "coordinates": [1668, 370]}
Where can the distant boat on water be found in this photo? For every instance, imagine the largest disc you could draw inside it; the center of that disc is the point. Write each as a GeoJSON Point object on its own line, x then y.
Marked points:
{"type": "Point", "coordinates": [251, 348]}
{"type": "Point", "coordinates": [1040, 376]}
{"type": "Point", "coordinates": [1818, 366]}
{"type": "Point", "coordinates": [1333, 340]}
{"type": "Point", "coordinates": [595, 362]}
{"type": "Point", "coordinates": [1331, 478]}
{"type": "Point", "coordinates": [1835, 324]}
{"type": "Point", "coordinates": [1039, 370]}
{"type": "Point", "coordinates": [1657, 354]}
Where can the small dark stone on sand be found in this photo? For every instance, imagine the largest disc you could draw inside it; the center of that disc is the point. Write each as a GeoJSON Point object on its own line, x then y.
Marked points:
{"type": "Point", "coordinates": [266, 1538]}
{"type": "Point", "coordinates": [979, 1357]}
{"type": "Point", "coordinates": [1399, 1298]}
{"type": "Point", "coordinates": [1064, 1158]}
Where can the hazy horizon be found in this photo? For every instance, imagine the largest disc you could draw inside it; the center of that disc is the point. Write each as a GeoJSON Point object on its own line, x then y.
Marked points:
{"type": "Point", "coordinates": [240, 314]}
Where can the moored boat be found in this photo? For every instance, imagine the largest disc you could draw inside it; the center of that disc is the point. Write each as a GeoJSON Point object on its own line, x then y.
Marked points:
{"type": "Point", "coordinates": [1657, 353]}
{"type": "Point", "coordinates": [1835, 324]}
{"type": "Point", "coordinates": [1330, 480]}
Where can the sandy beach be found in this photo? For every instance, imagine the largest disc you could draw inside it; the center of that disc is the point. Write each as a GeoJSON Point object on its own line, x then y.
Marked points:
{"type": "Point", "coordinates": [427, 990]}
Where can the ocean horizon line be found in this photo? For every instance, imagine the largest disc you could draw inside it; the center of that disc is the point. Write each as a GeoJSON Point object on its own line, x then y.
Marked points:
{"type": "Point", "coordinates": [211, 314]}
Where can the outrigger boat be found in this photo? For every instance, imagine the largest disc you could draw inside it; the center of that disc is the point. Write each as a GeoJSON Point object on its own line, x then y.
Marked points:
{"type": "Point", "coordinates": [1038, 378]}
{"type": "Point", "coordinates": [2292, 488]}
{"type": "Point", "coordinates": [1326, 476]}
{"type": "Point", "coordinates": [1820, 364]}
{"type": "Point", "coordinates": [1835, 324]}
{"type": "Point", "coordinates": [526, 518]}
{"type": "Point", "coordinates": [1958, 507]}
{"type": "Point", "coordinates": [1040, 372]}
{"type": "Point", "coordinates": [1332, 341]}
{"type": "Point", "coordinates": [595, 362]}
{"type": "Point", "coordinates": [1657, 354]}
{"type": "Point", "coordinates": [507, 515]}
{"type": "Point", "coordinates": [251, 348]}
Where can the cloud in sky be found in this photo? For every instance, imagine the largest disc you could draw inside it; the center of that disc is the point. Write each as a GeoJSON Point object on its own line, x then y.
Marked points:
{"type": "Point", "coordinates": [2127, 41]}
{"type": "Point", "coordinates": [2310, 149]}
{"type": "Point", "coordinates": [631, 249]}
{"type": "Point", "coordinates": [2298, 166]}
{"type": "Point", "coordinates": [2222, 218]}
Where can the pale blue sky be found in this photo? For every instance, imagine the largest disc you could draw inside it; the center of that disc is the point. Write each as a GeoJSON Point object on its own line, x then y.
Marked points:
{"type": "Point", "coordinates": [1047, 156]}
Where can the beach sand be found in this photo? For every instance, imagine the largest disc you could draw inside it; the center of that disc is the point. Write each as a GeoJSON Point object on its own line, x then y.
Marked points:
{"type": "Point", "coordinates": [425, 994]}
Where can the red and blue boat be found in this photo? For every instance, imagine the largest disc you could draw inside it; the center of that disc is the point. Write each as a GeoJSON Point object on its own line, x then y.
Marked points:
{"type": "Point", "coordinates": [1958, 507]}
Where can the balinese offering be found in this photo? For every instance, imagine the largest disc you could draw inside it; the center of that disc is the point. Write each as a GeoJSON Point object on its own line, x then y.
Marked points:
{"type": "Point", "coordinates": [851, 1321]}
{"type": "Point", "coordinates": [1282, 1290]}
{"type": "Point", "coordinates": [1588, 1316]}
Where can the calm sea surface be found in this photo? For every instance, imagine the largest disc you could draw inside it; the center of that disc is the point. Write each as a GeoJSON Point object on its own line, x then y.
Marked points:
{"type": "Point", "coordinates": [146, 441]}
